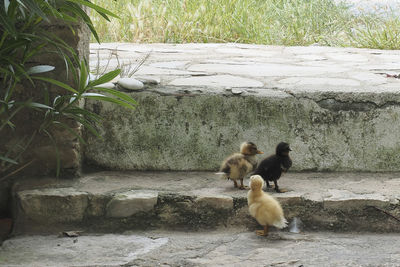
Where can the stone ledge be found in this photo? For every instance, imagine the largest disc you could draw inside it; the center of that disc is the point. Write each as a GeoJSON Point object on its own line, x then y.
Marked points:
{"type": "Point", "coordinates": [337, 107]}
{"type": "Point", "coordinates": [215, 201]}
{"type": "Point", "coordinates": [118, 201]}
{"type": "Point", "coordinates": [129, 203]}
{"type": "Point", "coordinates": [53, 205]}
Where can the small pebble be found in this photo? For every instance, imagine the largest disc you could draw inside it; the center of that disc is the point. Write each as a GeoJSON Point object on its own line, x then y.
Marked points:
{"type": "Point", "coordinates": [148, 80]}
{"type": "Point", "coordinates": [106, 85]}
{"type": "Point", "coordinates": [130, 83]}
{"type": "Point", "coordinates": [237, 91]}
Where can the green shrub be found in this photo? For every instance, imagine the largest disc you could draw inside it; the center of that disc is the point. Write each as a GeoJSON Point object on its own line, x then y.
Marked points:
{"type": "Point", "coordinates": [25, 85]}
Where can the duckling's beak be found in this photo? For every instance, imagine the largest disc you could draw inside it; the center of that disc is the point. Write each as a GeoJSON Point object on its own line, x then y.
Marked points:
{"type": "Point", "coordinates": [290, 149]}
{"type": "Point", "coordinates": [259, 152]}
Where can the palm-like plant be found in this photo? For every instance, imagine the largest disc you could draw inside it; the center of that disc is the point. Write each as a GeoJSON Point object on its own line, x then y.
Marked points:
{"type": "Point", "coordinates": [30, 88]}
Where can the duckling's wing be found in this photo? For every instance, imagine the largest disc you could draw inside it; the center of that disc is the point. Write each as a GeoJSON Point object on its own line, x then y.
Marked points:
{"type": "Point", "coordinates": [230, 161]}
{"type": "Point", "coordinates": [229, 166]}
{"type": "Point", "coordinates": [286, 163]}
{"type": "Point", "coordinates": [265, 165]}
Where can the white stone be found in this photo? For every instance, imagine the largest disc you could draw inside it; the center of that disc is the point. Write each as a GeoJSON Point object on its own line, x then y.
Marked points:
{"type": "Point", "coordinates": [237, 91]}
{"type": "Point", "coordinates": [106, 85]}
{"type": "Point", "coordinates": [131, 202]}
{"type": "Point", "coordinates": [130, 83]}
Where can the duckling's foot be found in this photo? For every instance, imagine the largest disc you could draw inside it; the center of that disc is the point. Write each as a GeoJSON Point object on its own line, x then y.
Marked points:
{"type": "Point", "coordinates": [242, 186]}
{"type": "Point", "coordinates": [263, 232]}
{"type": "Point", "coordinates": [260, 233]}
{"type": "Point", "coordinates": [235, 184]}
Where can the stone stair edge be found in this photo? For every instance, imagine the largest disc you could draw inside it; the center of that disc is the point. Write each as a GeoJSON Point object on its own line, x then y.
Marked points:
{"type": "Point", "coordinates": [70, 206]}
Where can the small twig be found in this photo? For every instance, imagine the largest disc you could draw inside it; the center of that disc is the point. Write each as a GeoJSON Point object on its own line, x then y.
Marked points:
{"type": "Point", "coordinates": [283, 262]}
{"type": "Point", "coordinates": [141, 61]}
{"type": "Point", "coordinates": [387, 213]}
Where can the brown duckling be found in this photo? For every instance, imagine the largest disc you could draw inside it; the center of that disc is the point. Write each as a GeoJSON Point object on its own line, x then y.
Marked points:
{"type": "Point", "coordinates": [238, 165]}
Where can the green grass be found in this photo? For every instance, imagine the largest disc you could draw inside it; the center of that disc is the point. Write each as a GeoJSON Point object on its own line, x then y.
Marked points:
{"type": "Point", "coordinates": [273, 22]}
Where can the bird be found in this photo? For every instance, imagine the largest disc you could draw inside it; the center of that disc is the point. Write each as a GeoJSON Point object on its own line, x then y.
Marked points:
{"type": "Point", "coordinates": [271, 168]}
{"type": "Point", "coordinates": [263, 207]}
{"type": "Point", "coordinates": [238, 165]}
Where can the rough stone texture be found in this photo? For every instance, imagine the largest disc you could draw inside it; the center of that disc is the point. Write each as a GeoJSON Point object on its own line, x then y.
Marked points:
{"type": "Point", "coordinates": [215, 201]}
{"type": "Point", "coordinates": [131, 202]}
{"type": "Point", "coordinates": [104, 250]}
{"type": "Point", "coordinates": [335, 106]}
{"type": "Point", "coordinates": [200, 200]}
{"type": "Point", "coordinates": [49, 206]}
{"type": "Point", "coordinates": [227, 247]}
{"type": "Point", "coordinates": [97, 205]}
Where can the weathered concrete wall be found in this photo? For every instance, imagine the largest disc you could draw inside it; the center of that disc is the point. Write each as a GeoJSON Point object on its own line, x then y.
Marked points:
{"type": "Point", "coordinates": [175, 129]}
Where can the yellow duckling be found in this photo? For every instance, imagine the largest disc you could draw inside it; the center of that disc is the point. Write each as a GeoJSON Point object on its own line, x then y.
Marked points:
{"type": "Point", "coordinates": [238, 165]}
{"type": "Point", "coordinates": [263, 207]}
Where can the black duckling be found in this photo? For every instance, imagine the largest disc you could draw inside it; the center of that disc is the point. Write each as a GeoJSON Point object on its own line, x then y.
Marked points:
{"type": "Point", "coordinates": [238, 165]}
{"type": "Point", "coordinates": [271, 168]}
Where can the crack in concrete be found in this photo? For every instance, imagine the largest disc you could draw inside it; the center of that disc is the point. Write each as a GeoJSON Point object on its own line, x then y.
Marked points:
{"type": "Point", "coordinates": [333, 104]}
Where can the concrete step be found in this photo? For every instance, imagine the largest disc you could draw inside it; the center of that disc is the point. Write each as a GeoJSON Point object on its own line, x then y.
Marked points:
{"type": "Point", "coordinates": [339, 108]}
{"type": "Point", "coordinates": [224, 247]}
{"type": "Point", "coordinates": [117, 201]}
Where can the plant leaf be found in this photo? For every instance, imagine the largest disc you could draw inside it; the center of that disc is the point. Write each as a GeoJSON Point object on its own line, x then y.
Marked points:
{"type": "Point", "coordinates": [55, 82]}
{"type": "Point", "coordinates": [8, 160]}
{"type": "Point", "coordinates": [69, 129]}
{"type": "Point", "coordinates": [38, 105]}
{"type": "Point", "coordinates": [85, 123]}
{"type": "Point", "coordinates": [83, 112]}
{"type": "Point", "coordinates": [95, 7]}
{"type": "Point", "coordinates": [105, 78]}
{"type": "Point", "coordinates": [118, 94]}
{"type": "Point", "coordinates": [92, 94]}
{"type": "Point", "coordinates": [84, 77]}
{"type": "Point", "coordinates": [40, 69]}
{"type": "Point", "coordinates": [112, 100]}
